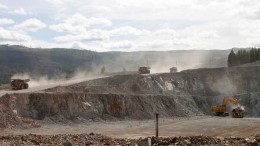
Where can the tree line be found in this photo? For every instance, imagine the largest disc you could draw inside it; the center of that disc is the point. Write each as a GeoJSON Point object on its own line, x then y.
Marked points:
{"type": "Point", "coordinates": [243, 57]}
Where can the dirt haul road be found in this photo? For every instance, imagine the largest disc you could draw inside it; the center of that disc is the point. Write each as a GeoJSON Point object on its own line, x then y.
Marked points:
{"type": "Point", "coordinates": [194, 126]}
{"type": "Point", "coordinates": [50, 85]}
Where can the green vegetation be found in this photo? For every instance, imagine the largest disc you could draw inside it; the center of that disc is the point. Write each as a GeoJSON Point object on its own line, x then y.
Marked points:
{"type": "Point", "coordinates": [243, 57]}
{"type": "Point", "coordinates": [41, 62]}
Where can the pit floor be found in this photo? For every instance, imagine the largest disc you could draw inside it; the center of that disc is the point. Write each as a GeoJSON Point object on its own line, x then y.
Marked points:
{"type": "Point", "coordinates": [202, 125]}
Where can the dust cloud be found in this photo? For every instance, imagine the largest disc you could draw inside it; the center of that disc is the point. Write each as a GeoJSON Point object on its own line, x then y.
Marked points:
{"type": "Point", "coordinates": [182, 61]}
{"type": "Point", "coordinates": [231, 106]}
{"type": "Point", "coordinates": [222, 85]}
{"type": "Point", "coordinates": [36, 80]}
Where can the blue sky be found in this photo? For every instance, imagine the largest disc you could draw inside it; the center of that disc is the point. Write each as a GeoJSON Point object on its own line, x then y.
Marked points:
{"type": "Point", "coordinates": [124, 25]}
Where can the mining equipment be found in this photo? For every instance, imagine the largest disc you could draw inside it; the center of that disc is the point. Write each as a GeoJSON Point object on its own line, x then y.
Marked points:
{"type": "Point", "coordinates": [144, 70]}
{"type": "Point", "coordinates": [19, 84]}
{"type": "Point", "coordinates": [238, 112]}
{"type": "Point", "coordinates": [221, 110]}
{"type": "Point", "coordinates": [173, 69]}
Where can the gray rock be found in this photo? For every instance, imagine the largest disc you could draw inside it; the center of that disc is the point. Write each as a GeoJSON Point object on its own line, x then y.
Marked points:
{"type": "Point", "coordinates": [145, 142]}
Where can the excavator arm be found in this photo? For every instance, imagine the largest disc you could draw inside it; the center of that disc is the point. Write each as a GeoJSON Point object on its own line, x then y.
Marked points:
{"type": "Point", "coordinates": [229, 99]}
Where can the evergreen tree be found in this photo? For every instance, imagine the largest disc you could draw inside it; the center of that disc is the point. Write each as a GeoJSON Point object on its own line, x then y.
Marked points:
{"type": "Point", "coordinates": [243, 57]}
{"type": "Point", "coordinates": [253, 55]}
{"type": "Point", "coordinates": [258, 54]}
{"type": "Point", "coordinates": [231, 58]}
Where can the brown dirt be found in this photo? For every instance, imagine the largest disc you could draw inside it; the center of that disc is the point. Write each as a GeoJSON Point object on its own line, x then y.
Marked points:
{"type": "Point", "coordinates": [193, 126]}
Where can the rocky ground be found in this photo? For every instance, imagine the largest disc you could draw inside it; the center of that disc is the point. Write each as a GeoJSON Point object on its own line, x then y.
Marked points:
{"type": "Point", "coordinates": [97, 139]}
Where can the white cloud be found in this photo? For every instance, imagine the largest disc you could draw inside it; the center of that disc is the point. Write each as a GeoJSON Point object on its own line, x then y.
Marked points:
{"type": "Point", "coordinates": [78, 23]}
{"type": "Point", "coordinates": [32, 25]}
{"type": "Point", "coordinates": [2, 6]}
{"type": "Point", "coordinates": [161, 39]}
{"type": "Point", "coordinates": [146, 24]}
{"type": "Point", "coordinates": [122, 45]}
{"type": "Point", "coordinates": [13, 36]}
{"type": "Point", "coordinates": [19, 11]}
{"type": "Point", "coordinates": [6, 21]}
{"type": "Point", "coordinates": [79, 19]}
{"type": "Point", "coordinates": [69, 28]}
{"type": "Point", "coordinates": [127, 30]}
{"type": "Point", "coordinates": [55, 2]}
{"type": "Point", "coordinates": [81, 34]}
{"type": "Point", "coordinates": [93, 35]}
{"type": "Point", "coordinates": [58, 2]}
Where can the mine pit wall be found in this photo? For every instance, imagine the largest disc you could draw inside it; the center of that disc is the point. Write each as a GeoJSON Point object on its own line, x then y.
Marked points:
{"type": "Point", "coordinates": [103, 106]}
{"type": "Point", "coordinates": [199, 82]}
{"type": "Point", "coordinates": [119, 107]}
{"type": "Point", "coordinates": [188, 93]}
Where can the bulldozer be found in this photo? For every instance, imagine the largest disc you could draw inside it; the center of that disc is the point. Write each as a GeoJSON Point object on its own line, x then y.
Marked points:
{"type": "Point", "coordinates": [19, 84]}
{"type": "Point", "coordinates": [221, 110]}
{"type": "Point", "coordinates": [144, 70]}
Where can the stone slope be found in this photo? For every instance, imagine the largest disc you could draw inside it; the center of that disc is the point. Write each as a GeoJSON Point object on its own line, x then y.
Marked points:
{"type": "Point", "coordinates": [187, 93]}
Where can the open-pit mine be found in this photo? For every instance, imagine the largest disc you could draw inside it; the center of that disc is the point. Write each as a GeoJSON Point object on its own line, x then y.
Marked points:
{"type": "Point", "coordinates": [123, 107]}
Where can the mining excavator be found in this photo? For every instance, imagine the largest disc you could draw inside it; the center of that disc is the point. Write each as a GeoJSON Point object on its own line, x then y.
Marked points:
{"type": "Point", "coordinates": [221, 110]}
{"type": "Point", "coordinates": [19, 84]}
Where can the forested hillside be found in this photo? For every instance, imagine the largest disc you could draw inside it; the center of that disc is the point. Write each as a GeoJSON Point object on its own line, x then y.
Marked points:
{"type": "Point", "coordinates": [243, 56]}
{"type": "Point", "coordinates": [58, 61]}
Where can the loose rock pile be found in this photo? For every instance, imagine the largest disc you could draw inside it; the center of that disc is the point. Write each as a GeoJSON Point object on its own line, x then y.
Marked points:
{"type": "Point", "coordinates": [97, 139]}
{"type": "Point", "coordinates": [63, 140]}
{"type": "Point", "coordinates": [206, 140]}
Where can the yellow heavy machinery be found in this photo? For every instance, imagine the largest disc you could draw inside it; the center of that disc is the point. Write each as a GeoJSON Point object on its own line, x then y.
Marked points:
{"type": "Point", "coordinates": [221, 110]}
{"type": "Point", "coordinates": [144, 70]}
{"type": "Point", "coordinates": [19, 84]}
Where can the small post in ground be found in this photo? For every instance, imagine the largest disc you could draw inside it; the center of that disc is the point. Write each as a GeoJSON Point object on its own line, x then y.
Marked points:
{"type": "Point", "coordinates": [156, 125]}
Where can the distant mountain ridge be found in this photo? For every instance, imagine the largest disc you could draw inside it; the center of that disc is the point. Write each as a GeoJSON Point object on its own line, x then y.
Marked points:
{"type": "Point", "coordinates": [59, 61]}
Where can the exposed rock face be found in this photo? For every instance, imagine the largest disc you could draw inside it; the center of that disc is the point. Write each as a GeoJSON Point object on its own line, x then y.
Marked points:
{"type": "Point", "coordinates": [10, 118]}
{"type": "Point", "coordinates": [186, 93]}
{"type": "Point", "coordinates": [202, 88]}
{"type": "Point", "coordinates": [104, 106]}
{"type": "Point", "coordinates": [202, 82]}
